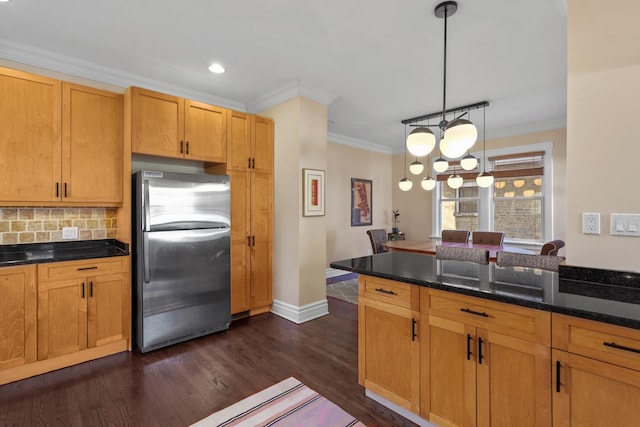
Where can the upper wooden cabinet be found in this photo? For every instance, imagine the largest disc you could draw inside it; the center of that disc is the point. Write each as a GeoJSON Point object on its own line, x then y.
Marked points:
{"type": "Point", "coordinates": [92, 145]}
{"type": "Point", "coordinates": [249, 143]}
{"type": "Point", "coordinates": [30, 137]}
{"type": "Point", "coordinates": [169, 126]}
{"type": "Point", "coordinates": [60, 143]}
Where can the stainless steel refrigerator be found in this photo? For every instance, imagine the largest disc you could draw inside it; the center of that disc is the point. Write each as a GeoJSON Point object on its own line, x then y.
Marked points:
{"type": "Point", "coordinates": [181, 257]}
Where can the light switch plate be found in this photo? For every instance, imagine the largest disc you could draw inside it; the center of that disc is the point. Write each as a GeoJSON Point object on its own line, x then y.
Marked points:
{"type": "Point", "coordinates": [591, 223]}
{"type": "Point", "coordinates": [625, 225]}
{"type": "Point", "coordinates": [69, 233]}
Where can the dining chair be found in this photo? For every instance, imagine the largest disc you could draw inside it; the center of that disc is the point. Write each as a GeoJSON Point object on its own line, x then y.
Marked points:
{"type": "Point", "coordinates": [494, 238]}
{"type": "Point", "coordinates": [477, 255]}
{"type": "Point", "coordinates": [378, 236]}
{"type": "Point", "coordinates": [552, 247]}
{"type": "Point", "coordinates": [543, 262]}
{"type": "Point", "coordinates": [456, 236]}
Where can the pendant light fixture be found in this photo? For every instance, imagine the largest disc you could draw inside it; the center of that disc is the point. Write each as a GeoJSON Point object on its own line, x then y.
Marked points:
{"type": "Point", "coordinates": [428, 183]}
{"type": "Point", "coordinates": [468, 162]}
{"type": "Point", "coordinates": [459, 134]}
{"type": "Point", "coordinates": [416, 167]}
{"type": "Point", "coordinates": [455, 181]}
{"type": "Point", "coordinates": [405, 183]}
{"type": "Point", "coordinates": [484, 179]}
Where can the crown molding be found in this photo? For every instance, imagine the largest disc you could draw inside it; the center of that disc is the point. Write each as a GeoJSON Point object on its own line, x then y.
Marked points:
{"type": "Point", "coordinates": [48, 60]}
{"type": "Point", "coordinates": [289, 91]}
{"type": "Point", "coordinates": [358, 143]}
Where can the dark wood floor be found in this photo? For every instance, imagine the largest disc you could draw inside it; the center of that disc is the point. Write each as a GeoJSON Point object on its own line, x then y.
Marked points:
{"type": "Point", "coordinates": [181, 384]}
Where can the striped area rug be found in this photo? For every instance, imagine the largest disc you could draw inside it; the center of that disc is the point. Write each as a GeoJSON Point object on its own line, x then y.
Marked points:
{"type": "Point", "coordinates": [286, 404]}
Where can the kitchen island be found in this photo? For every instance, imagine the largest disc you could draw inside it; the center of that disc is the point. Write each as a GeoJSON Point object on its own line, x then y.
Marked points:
{"type": "Point", "coordinates": [464, 344]}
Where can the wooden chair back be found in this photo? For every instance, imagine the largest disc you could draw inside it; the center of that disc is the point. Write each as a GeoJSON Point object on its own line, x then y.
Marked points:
{"type": "Point", "coordinates": [377, 236]}
{"type": "Point", "coordinates": [494, 238]}
{"type": "Point", "coordinates": [456, 236]}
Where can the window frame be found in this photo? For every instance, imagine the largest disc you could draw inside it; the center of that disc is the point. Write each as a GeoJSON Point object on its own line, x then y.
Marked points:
{"type": "Point", "coordinates": [486, 202]}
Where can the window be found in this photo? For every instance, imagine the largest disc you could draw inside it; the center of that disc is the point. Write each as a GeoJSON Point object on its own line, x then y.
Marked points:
{"type": "Point", "coordinates": [519, 202]}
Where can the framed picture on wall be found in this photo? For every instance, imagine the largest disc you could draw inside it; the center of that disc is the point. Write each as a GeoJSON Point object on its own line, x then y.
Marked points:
{"type": "Point", "coordinates": [361, 198]}
{"type": "Point", "coordinates": [312, 192]}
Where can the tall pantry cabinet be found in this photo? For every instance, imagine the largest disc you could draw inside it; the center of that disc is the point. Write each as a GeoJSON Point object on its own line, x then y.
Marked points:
{"type": "Point", "coordinates": [250, 167]}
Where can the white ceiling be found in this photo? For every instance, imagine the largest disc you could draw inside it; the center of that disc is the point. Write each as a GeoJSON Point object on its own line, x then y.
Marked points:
{"type": "Point", "coordinates": [373, 62]}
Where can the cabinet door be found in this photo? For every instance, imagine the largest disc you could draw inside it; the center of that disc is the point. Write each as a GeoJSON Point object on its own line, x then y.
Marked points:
{"type": "Point", "coordinates": [30, 137]}
{"type": "Point", "coordinates": [452, 372]}
{"type": "Point", "coordinates": [62, 317]}
{"type": "Point", "coordinates": [594, 393]}
{"type": "Point", "coordinates": [238, 147]}
{"type": "Point", "coordinates": [157, 123]}
{"type": "Point", "coordinates": [17, 316]}
{"type": "Point", "coordinates": [105, 310]}
{"type": "Point", "coordinates": [205, 132]}
{"type": "Point", "coordinates": [390, 365]}
{"type": "Point", "coordinates": [513, 381]}
{"type": "Point", "coordinates": [92, 145]}
{"type": "Point", "coordinates": [240, 268]}
{"type": "Point", "coordinates": [262, 240]}
{"type": "Point", "coordinates": [262, 145]}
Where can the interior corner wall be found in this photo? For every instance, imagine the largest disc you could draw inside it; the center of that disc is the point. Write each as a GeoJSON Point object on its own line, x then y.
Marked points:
{"type": "Point", "coordinates": [286, 200]}
{"type": "Point", "coordinates": [299, 249]}
{"type": "Point", "coordinates": [344, 162]}
{"type": "Point", "coordinates": [602, 114]}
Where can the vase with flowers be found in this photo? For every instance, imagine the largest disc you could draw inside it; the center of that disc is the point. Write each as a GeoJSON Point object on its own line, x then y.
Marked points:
{"type": "Point", "coordinates": [396, 214]}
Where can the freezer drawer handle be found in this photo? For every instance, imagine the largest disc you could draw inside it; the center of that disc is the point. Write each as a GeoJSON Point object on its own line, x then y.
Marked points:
{"type": "Point", "coordinates": [620, 347]}
{"type": "Point", "coordinates": [145, 243]}
{"type": "Point", "coordinates": [95, 267]}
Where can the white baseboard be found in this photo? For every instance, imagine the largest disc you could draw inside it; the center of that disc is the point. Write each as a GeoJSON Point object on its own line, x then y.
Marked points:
{"type": "Point", "coordinates": [398, 409]}
{"type": "Point", "coordinates": [300, 314]}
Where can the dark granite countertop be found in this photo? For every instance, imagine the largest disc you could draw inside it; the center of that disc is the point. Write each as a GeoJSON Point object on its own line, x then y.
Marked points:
{"type": "Point", "coordinates": [37, 253]}
{"type": "Point", "coordinates": [601, 295]}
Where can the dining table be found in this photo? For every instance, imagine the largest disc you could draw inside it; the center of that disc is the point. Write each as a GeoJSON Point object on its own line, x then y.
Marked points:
{"type": "Point", "coordinates": [428, 247]}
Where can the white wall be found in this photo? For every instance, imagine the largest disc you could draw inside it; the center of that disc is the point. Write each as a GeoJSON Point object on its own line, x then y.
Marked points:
{"type": "Point", "coordinates": [343, 163]}
{"type": "Point", "coordinates": [602, 132]}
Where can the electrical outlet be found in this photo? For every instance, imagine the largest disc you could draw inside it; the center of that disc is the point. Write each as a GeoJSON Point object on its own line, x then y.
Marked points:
{"type": "Point", "coordinates": [69, 233]}
{"type": "Point", "coordinates": [591, 223]}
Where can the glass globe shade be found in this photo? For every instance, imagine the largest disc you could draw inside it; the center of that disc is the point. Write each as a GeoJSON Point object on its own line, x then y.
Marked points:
{"type": "Point", "coordinates": [484, 180]}
{"type": "Point", "coordinates": [440, 165]}
{"type": "Point", "coordinates": [461, 132]}
{"type": "Point", "coordinates": [468, 162]}
{"type": "Point", "coordinates": [405, 184]}
{"type": "Point", "coordinates": [421, 141]}
{"type": "Point", "coordinates": [428, 183]}
{"type": "Point", "coordinates": [455, 181]}
{"type": "Point", "coordinates": [452, 148]}
{"type": "Point", "coordinates": [416, 167]}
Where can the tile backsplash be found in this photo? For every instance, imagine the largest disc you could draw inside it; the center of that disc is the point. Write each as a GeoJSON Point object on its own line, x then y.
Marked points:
{"type": "Point", "coordinates": [35, 225]}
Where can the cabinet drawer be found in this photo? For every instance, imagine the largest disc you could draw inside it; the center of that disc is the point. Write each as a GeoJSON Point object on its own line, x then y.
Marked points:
{"type": "Point", "coordinates": [525, 323]}
{"type": "Point", "coordinates": [79, 269]}
{"type": "Point", "coordinates": [609, 343]}
{"type": "Point", "coordinates": [390, 292]}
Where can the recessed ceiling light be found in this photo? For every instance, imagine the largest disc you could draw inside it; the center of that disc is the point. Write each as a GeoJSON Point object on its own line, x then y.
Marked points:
{"type": "Point", "coordinates": [214, 68]}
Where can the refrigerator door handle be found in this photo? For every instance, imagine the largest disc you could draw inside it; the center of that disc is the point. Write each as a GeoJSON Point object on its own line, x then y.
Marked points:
{"type": "Point", "coordinates": [145, 261]}
{"type": "Point", "coordinates": [146, 226]}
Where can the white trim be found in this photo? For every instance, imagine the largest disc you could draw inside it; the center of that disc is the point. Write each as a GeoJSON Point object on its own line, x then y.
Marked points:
{"type": "Point", "coordinates": [300, 314]}
{"type": "Point", "coordinates": [48, 60]}
{"type": "Point", "coordinates": [398, 409]}
{"type": "Point", "coordinates": [289, 91]}
{"type": "Point", "coordinates": [358, 143]}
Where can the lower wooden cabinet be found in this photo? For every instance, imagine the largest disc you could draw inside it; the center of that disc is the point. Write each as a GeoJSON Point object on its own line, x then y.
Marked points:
{"type": "Point", "coordinates": [81, 304]}
{"type": "Point", "coordinates": [17, 316]}
{"type": "Point", "coordinates": [596, 379]}
{"type": "Point", "coordinates": [388, 347]}
{"type": "Point", "coordinates": [488, 363]}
